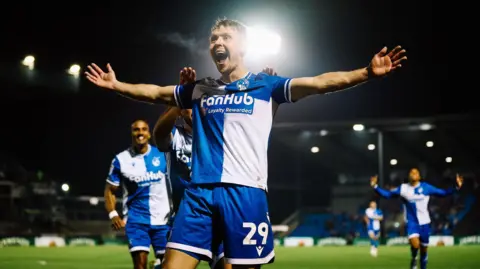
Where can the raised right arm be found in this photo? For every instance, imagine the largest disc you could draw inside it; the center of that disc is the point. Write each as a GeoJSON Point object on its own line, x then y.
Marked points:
{"type": "Point", "coordinates": [141, 92]}
{"type": "Point", "coordinates": [146, 92]}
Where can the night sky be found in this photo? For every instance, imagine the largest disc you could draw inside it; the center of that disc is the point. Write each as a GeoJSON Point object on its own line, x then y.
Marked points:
{"type": "Point", "coordinates": [73, 134]}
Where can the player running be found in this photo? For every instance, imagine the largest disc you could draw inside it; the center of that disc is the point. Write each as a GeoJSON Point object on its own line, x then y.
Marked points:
{"type": "Point", "coordinates": [373, 216]}
{"type": "Point", "coordinates": [232, 119]}
{"type": "Point", "coordinates": [141, 171]}
{"type": "Point", "coordinates": [415, 196]}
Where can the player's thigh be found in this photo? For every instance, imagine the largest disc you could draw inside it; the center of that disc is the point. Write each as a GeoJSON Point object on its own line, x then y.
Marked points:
{"type": "Point", "coordinates": [248, 236]}
{"type": "Point", "coordinates": [192, 228]}
{"type": "Point", "coordinates": [371, 234]}
{"type": "Point", "coordinates": [424, 235]}
{"type": "Point", "coordinates": [178, 259]}
{"type": "Point", "coordinates": [158, 236]}
{"type": "Point", "coordinates": [138, 236]}
{"type": "Point", "coordinates": [413, 233]}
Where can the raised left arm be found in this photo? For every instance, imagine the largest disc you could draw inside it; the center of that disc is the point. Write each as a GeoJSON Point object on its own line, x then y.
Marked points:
{"type": "Point", "coordinates": [381, 65]}
{"type": "Point", "coordinates": [432, 190]}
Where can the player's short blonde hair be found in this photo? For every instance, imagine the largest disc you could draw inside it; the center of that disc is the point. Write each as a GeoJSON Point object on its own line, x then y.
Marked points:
{"type": "Point", "coordinates": [237, 25]}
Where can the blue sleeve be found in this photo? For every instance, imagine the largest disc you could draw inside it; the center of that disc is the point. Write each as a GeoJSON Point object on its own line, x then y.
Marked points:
{"type": "Point", "coordinates": [379, 213]}
{"type": "Point", "coordinates": [388, 194]}
{"type": "Point", "coordinates": [280, 87]}
{"type": "Point", "coordinates": [183, 95]}
{"type": "Point", "coordinates": [434, 191]}
{"type": "Point", "coordinates": [114, 174]}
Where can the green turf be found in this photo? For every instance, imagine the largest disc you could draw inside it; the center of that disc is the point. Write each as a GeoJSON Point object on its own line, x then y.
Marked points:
{"type": "Point", "coordinates": [458, 257]}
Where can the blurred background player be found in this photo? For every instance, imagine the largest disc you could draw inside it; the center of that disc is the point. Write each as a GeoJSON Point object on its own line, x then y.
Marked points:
{"type": "Point", "coordinates": [373, 216]}
{"type": "Point", "coordinates": [141, 170]}
{"type": "Point", "coordinates": [232, 119]}
{"type": "Point", "coordinates": [415, 196]}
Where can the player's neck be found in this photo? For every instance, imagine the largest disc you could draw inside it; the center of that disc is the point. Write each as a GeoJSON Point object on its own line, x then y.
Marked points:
{"type": "Point", "coordinates": [236, 74]}
{"type": "Point", "coordinates": [140, 149]}
{"type": "Point", "coordinates": [414, 184]}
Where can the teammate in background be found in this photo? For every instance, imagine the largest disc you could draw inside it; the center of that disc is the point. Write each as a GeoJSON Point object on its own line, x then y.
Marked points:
{"type": "Point", "coordinates": [373, 216]}
{"type": "Point", "coordinates": [415, 196]}
{"type": "Point", "coordinates": [173, 134]}
{"type": "Point", "coordinates": [141, 170]}
{"type": "Point", "coordinates": [232, 120]}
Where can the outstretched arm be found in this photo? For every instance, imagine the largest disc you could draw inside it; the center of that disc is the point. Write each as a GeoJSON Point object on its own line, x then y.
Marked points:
{"type": "Point", "coordinates": [384, 193]}
{"type": "Point", "coordinates": [431, 190]}
{"type": "Point", "coordinates": [381, 65]}
{"type": "Point", "coordinates": [141, 92]}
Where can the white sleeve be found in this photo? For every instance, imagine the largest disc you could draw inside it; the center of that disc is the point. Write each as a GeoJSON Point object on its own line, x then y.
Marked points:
{"type": "Point", "coordinates": [369, 213]}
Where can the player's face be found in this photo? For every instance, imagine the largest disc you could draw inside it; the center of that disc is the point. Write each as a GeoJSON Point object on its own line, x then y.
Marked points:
{"type": "Point", "coordinates": [414, 175]}
{"type": "Point", "coordinates": [373, 205]}
{"type": "Point", "coordinates": [226, 48]}
{"type": "Point", "coordinates": [187, 116]}
{"type": "Point", "coordinates": [140, 133]}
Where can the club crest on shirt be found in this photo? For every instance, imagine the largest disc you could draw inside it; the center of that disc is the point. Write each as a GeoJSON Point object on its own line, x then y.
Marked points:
{"type": "Point", "coordinates": [156, 161]}
{"type": "Point", "coordinates": [243, 84]}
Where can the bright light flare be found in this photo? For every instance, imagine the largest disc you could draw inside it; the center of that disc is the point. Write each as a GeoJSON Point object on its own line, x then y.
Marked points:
{"type": "Point", "coordinates": [425, 127]}
{"type": "Point", "coordinates": [261, 41]}
{"type": "Point", "coordinates": [93, 201]}
{"type": "Point", "coordinates": [314, 149]}
{"type": "Point", "coordinates": [29, 61]}
{"type": "Point", "coordinates": [74, 70]}
{"type": "Point", "coordinates": [65, 187]}
{"type": "Point", "coordinates": [358, 127]}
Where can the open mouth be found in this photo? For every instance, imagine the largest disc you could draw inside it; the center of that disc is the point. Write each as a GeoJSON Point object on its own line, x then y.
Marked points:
{"type": "Point", "coordinates": [140, 137]}
{"type": "Point", "coordinates": [220, 56]}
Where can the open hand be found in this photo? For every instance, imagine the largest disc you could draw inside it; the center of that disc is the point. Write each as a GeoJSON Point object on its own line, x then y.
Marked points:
{"type": "Point", "coordinates": [384, 63]}
{"type": "Point", "coordinates": [459, 181]}
{"type": "Point", "coordinates": [373, 181]}
{"type": "Point", "coordinates": [100, 78]}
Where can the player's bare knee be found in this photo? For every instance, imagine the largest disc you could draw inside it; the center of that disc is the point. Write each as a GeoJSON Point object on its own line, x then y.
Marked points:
{"type": "Point", "coordinates": [415, 243]}
{"type": "Point", "coordinates": [423, 249]}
